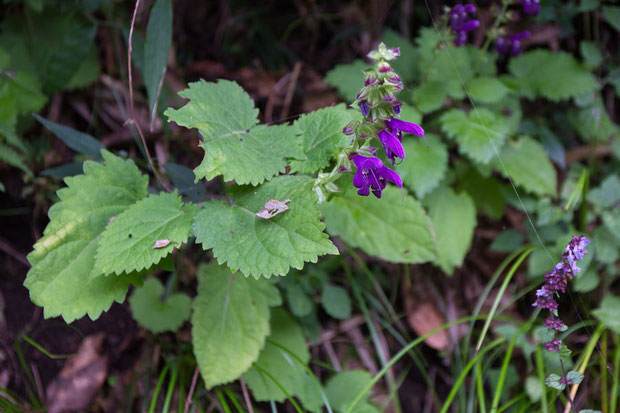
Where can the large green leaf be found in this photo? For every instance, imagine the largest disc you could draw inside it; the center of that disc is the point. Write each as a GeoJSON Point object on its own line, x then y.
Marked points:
{"type": "Point", "coordinates": [63, 259]}
{"type": "Point", "coordinates": [475, 132]}
{"type": "Point", "coordinates": [390, 228]}
{"type": "Point", "coordinates": [347, 78]}
{"type": "Point", "coordinates": [528, 165]}
{"type": "Point", "coordinates": [156, 48]}
{"type": "Point", "coordinates": [283, 360]}
{"type": "Point", "coordinates": [321, 137]}
{"type": "Point", "coordinates": [487, 89]}
{"type": "Point", "coordinates": [424, 166]}
{"type": "Point", "coordinates": [158, 315]}
{"type": "Point", "coordinates": [555, 76]}
{"type": "Point", "coordinates": [129, 241]}
{"type": "Point", "coordinates": [344, 387]}
{"type": "Point", "coordinates": [454, 220]}
{"type": "Point", "coordinates": [234, 146]}
{"type": "Point", "coordinates": [258, 246]}
{"type": "Point", "coordinates": [230, 322]}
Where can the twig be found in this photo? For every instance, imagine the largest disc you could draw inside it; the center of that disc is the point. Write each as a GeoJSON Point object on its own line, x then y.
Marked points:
{"type": "Point", "coordinates": [12, 252]}
{"type": "Point", "coordinates": [188, 400]}
{"type": "Point", "coordinates": [291, 90]}
{"type": "Point", "coordinates": [131, 119]}
{"type": "Point", "coordinates": [272, 97]}
{"type": "Point", "coordinates": [329, 349]}
{"type": "Point", "coordinates": [246, 396]}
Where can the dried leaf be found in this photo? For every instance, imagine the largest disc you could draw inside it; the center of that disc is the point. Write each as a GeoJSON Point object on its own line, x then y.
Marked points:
{"type": "Point", "coordinates": [423, 317]}
{"type": "Point", "coordinates": [272, 208]}
{"type": "Point", "coordinates": [79, 380]}
{"type": "Point", "coordinates": [161, 243]}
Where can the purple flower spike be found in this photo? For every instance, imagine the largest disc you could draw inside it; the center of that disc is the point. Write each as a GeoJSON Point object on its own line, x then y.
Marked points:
{"type": "Point", "coordinates": [372, 174]}
{"type": "Point", "coordinates": [531, 7]}
{"type": "Point", "coordinates": [460, 22]}
{"type": "Point", "coordinates": [511, 45]}
{"type": "Point", "coordinates": [554, 323]}
{"type": "Point", "coordinates": [392, 145]}
{"type": "Point", "coordinates": [553, 345]}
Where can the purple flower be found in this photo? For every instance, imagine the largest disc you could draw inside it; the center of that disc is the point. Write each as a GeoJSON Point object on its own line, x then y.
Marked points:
{"type": "Point", "coordinates": [392, 145]}
{"type": "Point", "coordinates": [511, 45]}
{"type": "Point", "coordinates": [461, 23]}
{"type": "Point", "coordinates": [397, 126]}
{"type": "Point", "coordinates": [547, 303]}
{"type": "Point", "coordinates": [364, 108]}
{"type": "Point", "coordinates": [553, 345]}
{"type": "Point", "coordinates": [575, 251]}
{"type": "Point", "coordinates": [531, 7]}
{"type": "Point", "coordinates": [372, 174]}
{"type": "Point", "coordinates": [554, 323]}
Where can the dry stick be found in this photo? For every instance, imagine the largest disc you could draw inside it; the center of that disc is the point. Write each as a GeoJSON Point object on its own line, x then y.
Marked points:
{"type": "Point", "coordinates": [188, 400]}
{"type": "Point", "coordinates": [12, 252]}
{"type": "Point", "coordinates": [131, 120]}
{"type": "Point", "coordinates": [246, 396]}
{"type": "Point", "coordinates": [291, 89]}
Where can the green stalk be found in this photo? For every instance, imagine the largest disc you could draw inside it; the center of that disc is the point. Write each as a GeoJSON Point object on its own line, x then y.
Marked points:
{"type": "Point", "coordinates": [223, 402]}
{"type": "Point", "coordinates": [613, 401]}
{"type": "Point", "coordinates": [480, 388]}
{"type": "Point", "coordinates": [170, 390]}
{"type": "Point", "coordinates": [540, 369]}
{"type": "Point", "coordinates": [233, 399]}
{"type": "Point", "coordinates": [160, 382]}
{"type": "Point", "coordinates": [500, 293]}
{"type": "Point", "coordinates": [603, 371]}
{"type": "Point", "coordinates": [273, 379]}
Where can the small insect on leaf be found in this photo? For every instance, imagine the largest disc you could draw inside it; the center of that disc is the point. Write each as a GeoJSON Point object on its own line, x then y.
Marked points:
{"type": "Point", "coordinates": [272, 208]}
{"type": "Point", "coordinates": [161, 243]}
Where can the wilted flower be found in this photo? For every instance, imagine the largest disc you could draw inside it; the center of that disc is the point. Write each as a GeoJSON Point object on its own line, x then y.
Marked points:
{"type": "Point", "coordinates": [372, 174]}
{"type": "Point", "coordinates": [461, 23]}
{"type": "Point", "coordinates": [511, 45]}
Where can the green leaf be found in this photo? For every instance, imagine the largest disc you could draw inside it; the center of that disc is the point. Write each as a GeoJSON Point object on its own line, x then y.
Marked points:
{"type": "Point", "coordinates": [474, 133]}
{"type": "Point", "coordinates": [611, 219]}
{"type": "Point", "coordinates": [321, 137]}
{"type": "Point", "coordinates": [533, 388]}
{"type": "Point", "coordinates": [607, 194]}
{"type": "Point", "coordinates": [129, 241]}
{"type": "Point", "coordinates": [612, 15]}
{"type": "Point", "coordinates": [591, 55]}
{"type": "Point", "coordinates": [553, 381]}
{"type": "Point", "coordinates": [156, 315]}
{"type": "Point", "coordinates": [593, 123]}
{"type": "Point", "coordinates": [556, 76]}
{"type": "Point", "coordinates": [487, 89]}
{"type": "Point", "coordinates": [301, 305]}
{"type": "Point", "coordinates": [454, 219]}
{"type": "Point", "coordinates": [344, 387]}
{"type": "Point", "coordinates": [609, 312]}
{"type": "Point", "coordinates": [156, 49]}
{"type": "Point", "coordinates": [264, 247]}
{"type": "Point", "coordinates": [183, 179]}
{"type": "Point", "coordinates": [283, 358]}
{"type": "Point", "coordinates": [507, 241]}
{"type": "Point", "coordinates": [76, 140]}
{"type": "Point", "coordinates": [387, 228]}
{"type": "Point", "coordinates": [574, 376]}
{"type": "Point", "coordinates": [230, 322]}
{"type": "Point", "coordinates": [424, 167]}
{"type": "Point", "coordinates": [485, 191]}
{"type": "Point", "coordinates": [528, 166]}
{"type": "Point", "coordinates": [336, 301]}
{"type": "Point", "coordinates": [347, 78]}
{"type": "Point", "coordinates": [234, 146]}
{"type": "Point", "coordinates": [87, 72]}
{"type": "Point", "coordinates": [65, 256]}
{"type": "Point", "coordinates": [430, 96]}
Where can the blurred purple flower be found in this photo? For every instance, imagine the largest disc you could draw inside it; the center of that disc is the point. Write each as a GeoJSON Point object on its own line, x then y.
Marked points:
{"type": "Point", "coordinates": [554, 323]}
{"type": "Point", "coordinates": [461, 23]}
{"type": "Point", "coordinates": [531, 7]}
{"type": "Point", "coordinates": [553, 345]}
{"type": "Point", "coordinates": [372, 174]}
{"type": "Point", "coordinates": [511, 45]}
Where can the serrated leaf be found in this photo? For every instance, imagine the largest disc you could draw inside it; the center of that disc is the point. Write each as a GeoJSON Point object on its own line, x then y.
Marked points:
{"type": "Point", "coordinates": [473, 133]}
{"type": "Point", "coordinates": [321, 137]}
{"type": "Point", "coordinates": [347, 78]}
{"type": "Point", "coordinates": [261, 247]}
{"type": "Point", "coordinates": [556, 76]}
{"type": "Point", "coordinates": [430, 96]}
{"type": "Point", "coordinates": [553, 381]}
{"type": "Point", "coordinates": [344, 387]}
{"type": "Point", "coordinates": [127, 244]}
{"type": "Point", "coordinates": [65, 256]}
{"type": "Point", "coordinates": [487, 89]}
{"type": "Point", "coordinates": [454, 219]}
{"type": "Point", "coordinates": [230, 322]}
{"type": "Point", "coordinates": [234, 146]}
{"type": "Point", "coordinates": [76, 140]}
{"type": "Point", "coordinates": [528, 166]}
{"type": "Point", "coordinates": [336, 301]}
{"type": "Point", "coordinates": [283, 358]}
{"type": "Point", "coordinates": [156, 315]}
{"type": "Point", "coordinates": [609, 312]}
{"type": "Point", "coordinates": [387, 228]}
{"type": "Point", "coordinates": [156, 48]}
{"type": "Point", "coordinates": [423, 167]}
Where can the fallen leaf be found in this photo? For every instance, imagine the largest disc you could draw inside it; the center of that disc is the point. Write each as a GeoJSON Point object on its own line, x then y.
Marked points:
{"type": "Point", "coordinates": [161, 243]}
{"type": "Point", "coordinates": [272, 208]}
{"type": "Point", "coordinates": [423, 317]}
{"type": "Point", "coordinates": [79, 380]}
